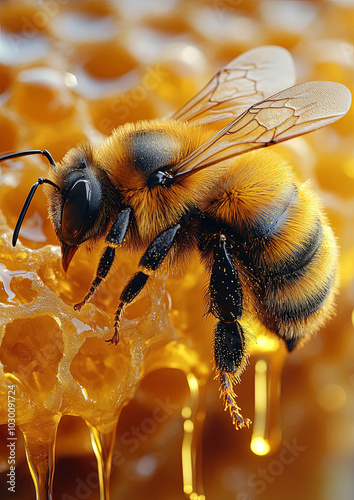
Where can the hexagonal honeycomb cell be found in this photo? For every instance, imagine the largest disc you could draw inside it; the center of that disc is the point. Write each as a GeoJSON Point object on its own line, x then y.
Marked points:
{"type": "Point", "coordinates": [144, 419]}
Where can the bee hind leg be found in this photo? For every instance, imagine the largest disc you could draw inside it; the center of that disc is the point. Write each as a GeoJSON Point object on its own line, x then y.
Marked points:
{"type": "Point", "coordinates": [230, 359]}
{"type": "Point", "coordinates": [230, 343]}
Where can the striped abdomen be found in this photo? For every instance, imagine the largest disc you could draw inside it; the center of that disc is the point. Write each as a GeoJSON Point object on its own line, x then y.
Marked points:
{"type": "Point", "coordinates": [282, 244]}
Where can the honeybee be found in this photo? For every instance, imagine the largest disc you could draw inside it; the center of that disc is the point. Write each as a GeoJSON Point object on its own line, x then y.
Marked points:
{"type": "Point", "coordinates": [168, 187]}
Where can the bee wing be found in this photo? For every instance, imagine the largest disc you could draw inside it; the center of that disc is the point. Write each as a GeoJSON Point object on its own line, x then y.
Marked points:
{"type": "Point", "coordinates": [249, 78]}
{"type": "Point", "coordinates": [290, 113]}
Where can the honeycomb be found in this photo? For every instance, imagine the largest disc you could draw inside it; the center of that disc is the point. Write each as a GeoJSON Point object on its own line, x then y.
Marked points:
{"type": "Point", "coordinates": [144, 420]}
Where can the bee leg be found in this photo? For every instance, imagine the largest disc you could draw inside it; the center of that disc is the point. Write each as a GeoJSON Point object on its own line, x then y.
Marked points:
{"type": "Point", "coordinates": [131, 290]}
{"type": "Point", "coordinates": [150, 261]}
{"type": "Point", "coordinates": [114, 238]}
{"type": "Point", "coordinates": [230, 343]}
{"type": "Point", "coordinates": [230, 356]}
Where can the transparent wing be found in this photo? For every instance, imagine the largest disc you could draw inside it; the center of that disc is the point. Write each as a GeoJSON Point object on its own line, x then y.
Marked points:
{"type": "Point", "coordinates": [249, 78]}
{"type": "Point", "coordinates": [292, 112]}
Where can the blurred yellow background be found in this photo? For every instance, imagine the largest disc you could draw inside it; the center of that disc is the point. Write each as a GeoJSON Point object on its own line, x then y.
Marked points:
{"type": "Point", "coordinates": [72, 72]}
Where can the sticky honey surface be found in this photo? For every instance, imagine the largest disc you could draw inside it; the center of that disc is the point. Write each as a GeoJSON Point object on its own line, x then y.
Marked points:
{"type": "Point", "coordinates": [71, 72]}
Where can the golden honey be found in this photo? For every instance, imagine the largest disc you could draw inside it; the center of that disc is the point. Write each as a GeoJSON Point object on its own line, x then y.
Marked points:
{"type": "Point", "coordinates": [148, 410]}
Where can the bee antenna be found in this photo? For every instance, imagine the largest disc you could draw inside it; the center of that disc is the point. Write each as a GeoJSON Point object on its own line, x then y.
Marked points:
{"type": "Point", "coordinates": [31, 152]}
{"type": "Point", "coordinates": [30, 195]}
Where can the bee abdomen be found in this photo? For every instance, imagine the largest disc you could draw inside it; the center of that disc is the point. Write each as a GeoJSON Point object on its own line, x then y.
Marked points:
{"type": "Point", "coordinates": [287, 263]}
{"type": "Point", "coordinates": [275, 217]}
{"type": "Point", "coordinates": [294, 304]}
{"type": "Point", "coordinates": [293, 268]}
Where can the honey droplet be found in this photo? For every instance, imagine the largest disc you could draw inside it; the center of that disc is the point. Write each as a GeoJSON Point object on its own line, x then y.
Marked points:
{"type": "Point", "coordinates": [193, 413]}
{"type": "Point", "coordinates": [40, 436]}
{"type": "Point", "coordinates": [102, 444]}
{"type": "Point", "coordinates": [269, 357]}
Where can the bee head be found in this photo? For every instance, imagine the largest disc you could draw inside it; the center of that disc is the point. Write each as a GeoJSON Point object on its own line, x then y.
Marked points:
{"type": "Point", "coordinates": [81, 198]}
{"type": "Point", "coordinates": [78, 209]}
{"type": "Point", "coordinates": [75, 205]}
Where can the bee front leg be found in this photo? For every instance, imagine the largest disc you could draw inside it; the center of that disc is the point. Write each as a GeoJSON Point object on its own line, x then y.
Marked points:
{"type": "Point", "coordinates": [150, 262]}
{"type": "Point", "coordinates": [230, 342]}
{"type": "Point", "coordinates": [114, 238]}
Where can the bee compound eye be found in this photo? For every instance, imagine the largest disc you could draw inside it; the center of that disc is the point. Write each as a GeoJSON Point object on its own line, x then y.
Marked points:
{"type": "Point", "coordinates": [76, 211]}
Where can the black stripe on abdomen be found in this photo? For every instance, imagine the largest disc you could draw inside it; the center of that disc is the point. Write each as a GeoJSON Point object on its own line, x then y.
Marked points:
{"type": "Point", "coordinates": [290, 268]}
{"type": "Point", "coordinates": [276, 304]}
{"type": "Point", "coordinates": [275, 217]}
{"type": "Point", "coordinates": [295, 259]}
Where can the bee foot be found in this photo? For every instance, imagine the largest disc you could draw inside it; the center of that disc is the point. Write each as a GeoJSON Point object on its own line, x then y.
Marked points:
{"type": "Point", "coordinates": [115, 338]}
{"type": "Point", "coordinates": [117, 317]}
{"type": "Point", "coordinates": [89, 295]}
{"type": "Point", "coordinates": [79, 306]}
{"type": "Point", "coordinates": [240, 422]}
{"type": "Point", "coordinates": [229, 396]}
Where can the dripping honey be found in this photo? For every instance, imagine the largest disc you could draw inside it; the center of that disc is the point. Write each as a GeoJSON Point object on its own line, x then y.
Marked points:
{"type": "Point", "coordinates": [187, 325]}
